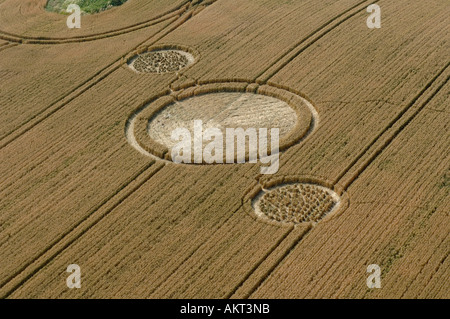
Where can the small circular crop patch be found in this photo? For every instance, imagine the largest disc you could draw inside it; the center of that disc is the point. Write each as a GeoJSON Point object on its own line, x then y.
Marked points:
{"type": "Point", "coordinates": [296, 203]}
{"type": "Point", "coordinates": [161, 61]}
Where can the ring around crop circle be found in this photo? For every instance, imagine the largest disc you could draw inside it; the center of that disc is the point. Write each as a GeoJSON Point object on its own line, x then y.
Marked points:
{"type": "Point", "coordinates": [161, 59]}
{"type": "Point", "coordinates": [295, 200]}
{"type": "Point", "coordinates": [137, 128]}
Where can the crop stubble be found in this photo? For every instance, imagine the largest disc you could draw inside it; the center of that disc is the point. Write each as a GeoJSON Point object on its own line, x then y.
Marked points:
{"type": "Point", "coordinates": [27, 20]}
{"type": "Point", "coordinates": [398, 207]}
{"type": "Point", "coordinates": [38, 76]}
{"type": "Point", "coordinates": [45, 150]}
{"type": "Point", "coordinates": [200, 268]}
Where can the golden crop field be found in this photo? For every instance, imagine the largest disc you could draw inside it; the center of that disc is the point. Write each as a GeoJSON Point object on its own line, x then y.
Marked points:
{"type": "Point", "coordinates": [89, 176]}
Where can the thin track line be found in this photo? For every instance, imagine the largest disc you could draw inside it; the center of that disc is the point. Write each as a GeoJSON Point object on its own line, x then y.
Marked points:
{"type": "Point", "coordinates": [296, 47]}
{"type": "Point", "coordinates": [101, 35]}
{"type": "Point", "coordinates": [423, 267]}
{"type": "Point", "coordinates": [278, 263]}
{"type": "Point", "coordinates": [202, 243]}
{"type": "Point", "coordinates": [60, 250]}
{"type": "Point", "coordinates": [77, 225]}
{"type": "Point", "coordinates": [82, 88]}
{"type": "Point", "coordinates": [7, 46]}
{"type": "Point", "coordinates": [255, 266]}
{"type": "Point", "coordinates": [398, 131]}
{"type": "Point", "coordinates": [322, 28]}
{"type": "Point", "coordinates": [401, 128]}
{"type": "Point", "coordinates": [391, 124]}
{"type": "Point", "coordinates": [436, 270]}
{"type": "Point", "coordinates": [373, 157]}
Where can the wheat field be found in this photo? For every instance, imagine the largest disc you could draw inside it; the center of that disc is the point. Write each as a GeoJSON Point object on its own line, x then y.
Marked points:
{"type": "Point", "coordinates": [364, 173]}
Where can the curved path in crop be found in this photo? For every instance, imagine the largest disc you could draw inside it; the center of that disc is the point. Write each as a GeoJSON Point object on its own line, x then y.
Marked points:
{"type": "Point", "coordinates": [43, 258]}
{"type": "Point", "coordinates": [15, 12]}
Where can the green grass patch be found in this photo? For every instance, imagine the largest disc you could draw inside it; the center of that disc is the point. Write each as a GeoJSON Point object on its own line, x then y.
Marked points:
{"type": "Point", "coordinates": [86, 6]}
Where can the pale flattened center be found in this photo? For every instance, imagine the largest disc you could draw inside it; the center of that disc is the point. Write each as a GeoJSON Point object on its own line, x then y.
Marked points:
{"type": "Point", "coordinates": [222, 110]}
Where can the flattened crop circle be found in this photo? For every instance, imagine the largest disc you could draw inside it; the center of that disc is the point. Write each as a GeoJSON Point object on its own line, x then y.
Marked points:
{"type": "Point", "coordinates": [161, 61]}
{"type": "Point", "coordinates": [296, 203]}
{"type": "Point", "coordinates": [222, 106]}
{"type": "Point", "coordinates": [222, 110]}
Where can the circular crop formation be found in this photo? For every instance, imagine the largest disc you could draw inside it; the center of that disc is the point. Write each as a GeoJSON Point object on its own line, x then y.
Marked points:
{"type": "Point", "coordinates": [161, 61]}
{"type": "Point", "coordinates": [256, 112]}
{"type": "Point", "coordinates": [222, 111]}
{"type": "Point", "coordinates": [297, 203]}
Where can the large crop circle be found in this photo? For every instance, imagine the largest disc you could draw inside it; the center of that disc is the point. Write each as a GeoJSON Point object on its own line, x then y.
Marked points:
{"type": "Point", "coordinates": [222, 110]}
{"type": "Point", "coordinates": [222, 106]}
